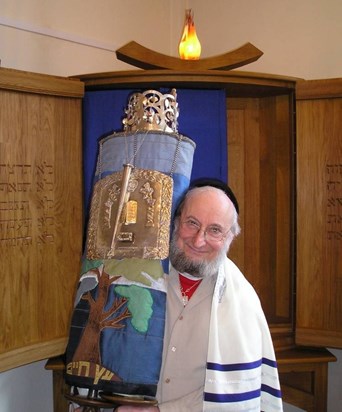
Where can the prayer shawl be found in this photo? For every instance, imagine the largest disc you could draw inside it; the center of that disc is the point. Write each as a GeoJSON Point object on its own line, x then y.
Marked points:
{"type": "Point", "coordinates": [241, 372]}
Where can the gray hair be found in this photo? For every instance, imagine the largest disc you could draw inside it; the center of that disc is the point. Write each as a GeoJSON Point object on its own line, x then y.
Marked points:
{"type": "Point", "coordinates": [235, 228]}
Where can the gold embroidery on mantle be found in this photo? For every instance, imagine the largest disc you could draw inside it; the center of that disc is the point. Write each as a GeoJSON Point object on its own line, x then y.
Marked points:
{"type": "Point", "coordinates": [144, 221]}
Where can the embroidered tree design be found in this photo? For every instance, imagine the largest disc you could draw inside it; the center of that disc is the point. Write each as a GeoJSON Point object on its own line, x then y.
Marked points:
{"type": "Point", "coordinates": [99, 318]}
{"type": "Point", "coordinates": [131, 300]}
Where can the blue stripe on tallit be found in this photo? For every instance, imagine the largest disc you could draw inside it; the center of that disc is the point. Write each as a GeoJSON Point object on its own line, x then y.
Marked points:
{"type": "Point", "coordinates": [234, 366]}
{"type": "Point", "coordinates": [231, 397]}
{"type": "Point", "coordinates": [243, 396]}
{"type": "Point", "coordinates": [271, 391]}
{"type": "Point", "coordinates": [241, 366]}
{"type": "Point", "coordinates": [269, 362]}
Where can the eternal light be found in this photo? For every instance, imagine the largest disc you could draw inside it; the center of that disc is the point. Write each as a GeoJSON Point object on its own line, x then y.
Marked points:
{"type": "Point", "coordinates": [189, 45]}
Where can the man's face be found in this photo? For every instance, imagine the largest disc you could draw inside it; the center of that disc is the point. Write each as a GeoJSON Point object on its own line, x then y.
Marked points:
{"type": "Point", "coordinates": [202, 233]}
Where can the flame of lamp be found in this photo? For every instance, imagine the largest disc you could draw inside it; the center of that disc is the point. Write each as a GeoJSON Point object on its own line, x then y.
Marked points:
{"type": "Point", "coordinates": [189, 46]}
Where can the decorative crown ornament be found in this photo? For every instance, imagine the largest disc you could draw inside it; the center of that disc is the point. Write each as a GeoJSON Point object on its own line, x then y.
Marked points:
{"type": "Point", "coordinates": [152, 110]}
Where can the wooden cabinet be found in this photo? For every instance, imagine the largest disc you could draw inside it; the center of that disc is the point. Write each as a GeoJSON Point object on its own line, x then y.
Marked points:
{"type": "Point", "coordinates": [262, 167]}
{"type": "Point", "coordinates": [304, 377]}
{"type": "Point", "coordinates": [260, 121]}
{"type": "Point", "coordinates": [319, 213]}
{"type": "Point", "coordinates": [283, 157]}
{"type": "Point", "coordinates": [285, 167]}
{"type": "Point", "coordinates": [40, 213]}
{"type": "Point", "coordinates": [261, 173]}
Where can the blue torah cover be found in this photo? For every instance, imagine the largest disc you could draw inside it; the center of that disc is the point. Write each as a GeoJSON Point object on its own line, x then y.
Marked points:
{"type": "Point", "coordinates": [117, 328]}
{"type": "Point", "coordinates": [116, 334]}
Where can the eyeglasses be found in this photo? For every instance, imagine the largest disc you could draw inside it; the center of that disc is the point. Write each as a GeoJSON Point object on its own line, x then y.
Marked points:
{"type": "Point", "coordinates": [212, 233]}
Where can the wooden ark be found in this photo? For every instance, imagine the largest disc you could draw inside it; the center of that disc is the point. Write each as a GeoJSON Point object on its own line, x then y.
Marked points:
{"type": "Point", "coordinates": [284, 164]}
{"type": "Point", "coordinates": [40, 213]}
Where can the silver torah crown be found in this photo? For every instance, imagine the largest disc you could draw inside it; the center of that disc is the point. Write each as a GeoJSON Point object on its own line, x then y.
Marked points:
{"type": "Point", "coordinates": [152, 110]}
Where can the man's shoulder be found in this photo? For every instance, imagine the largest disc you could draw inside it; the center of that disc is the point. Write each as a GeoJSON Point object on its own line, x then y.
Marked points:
{"type": "Point", "coordinates": [239, 282]}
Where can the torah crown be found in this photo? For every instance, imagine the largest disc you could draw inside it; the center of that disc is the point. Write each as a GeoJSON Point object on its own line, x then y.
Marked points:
{"type": "Point", "coordinates": [152, 110]}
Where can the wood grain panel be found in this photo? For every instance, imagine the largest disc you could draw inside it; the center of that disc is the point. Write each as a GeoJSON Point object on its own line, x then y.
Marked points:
{"type": "Point", "coordinates": [11, 79]}
{"type": "Point", "coordinates": [40, 222]}
{"type": "Point", "coordinates": [319, 212]}
{"type": "Point", "coordinates": [235, 82]}
{"type": "Point", "coordinates": [319, 89]}
{"type": "Point", "coordinates": [260, 153]}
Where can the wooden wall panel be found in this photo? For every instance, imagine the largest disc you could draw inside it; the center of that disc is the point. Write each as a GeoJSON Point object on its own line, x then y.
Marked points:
{"type": "Point", "coordinates": [260, 153]}
{"type": "Point", "coordinates": [319, 215]}
{"type": "Point", "coordinates": [40, 217]}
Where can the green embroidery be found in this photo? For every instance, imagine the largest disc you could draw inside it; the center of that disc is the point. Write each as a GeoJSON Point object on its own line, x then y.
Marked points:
{"type": "Point", "coordinates": [139, 304]}
{"type": "Point", "coordinates": [131, 269]}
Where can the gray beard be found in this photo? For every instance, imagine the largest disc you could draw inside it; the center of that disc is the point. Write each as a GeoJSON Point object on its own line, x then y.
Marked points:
{"type": "Point", "coordinates": [200, 268]}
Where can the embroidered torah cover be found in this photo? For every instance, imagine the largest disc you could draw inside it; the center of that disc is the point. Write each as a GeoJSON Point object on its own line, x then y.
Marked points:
{"type": "Point", "coordinates": [117, 328]}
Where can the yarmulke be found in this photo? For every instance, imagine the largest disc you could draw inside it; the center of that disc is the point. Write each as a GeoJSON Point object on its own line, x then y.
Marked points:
{"type": "Point", "coordinates": [218, 184]}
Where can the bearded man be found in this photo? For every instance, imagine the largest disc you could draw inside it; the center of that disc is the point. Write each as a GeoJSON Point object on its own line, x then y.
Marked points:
{"type": "Point", "coordinates": [218, 353]}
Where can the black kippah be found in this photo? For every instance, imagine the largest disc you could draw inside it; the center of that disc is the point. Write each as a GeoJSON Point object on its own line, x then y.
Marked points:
{"type": "Point", "coordinates": [218, 184]}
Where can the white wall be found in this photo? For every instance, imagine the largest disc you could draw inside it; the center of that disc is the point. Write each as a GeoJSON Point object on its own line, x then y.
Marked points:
{"type": "Point", "coordinates": [300, 38]}
{"type": "Point", "coordinates": [28, 388]}
{"type": "Point", "coordinates": [31, 33]}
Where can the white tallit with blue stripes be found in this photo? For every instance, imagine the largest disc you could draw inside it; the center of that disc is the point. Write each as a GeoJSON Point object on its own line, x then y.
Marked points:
{"type": "Point", "coordinates": [241, 372]}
